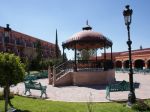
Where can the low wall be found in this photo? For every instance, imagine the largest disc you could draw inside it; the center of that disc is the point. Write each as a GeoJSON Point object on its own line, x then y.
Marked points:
{"type": "Point", "coordinates": [91, 78]}
{"type": "Point", "coordinates": [86, 78]}
{"type": "Point", "coordinates": [65, 80]}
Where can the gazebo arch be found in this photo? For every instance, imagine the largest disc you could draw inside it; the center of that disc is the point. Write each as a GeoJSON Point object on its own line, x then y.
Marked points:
{"type": "Point", "coordinates": [87, 39]}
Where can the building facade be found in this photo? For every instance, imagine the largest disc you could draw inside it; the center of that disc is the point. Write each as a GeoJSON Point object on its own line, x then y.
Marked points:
{"type": "Point", "coordinates": [140, 59]}
{"type": "Point", "coordinates": [24, 45]}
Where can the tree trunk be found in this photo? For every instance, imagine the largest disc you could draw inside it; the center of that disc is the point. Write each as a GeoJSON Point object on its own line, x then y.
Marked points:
{"type": "Point", "coordinates": [6, 97]}
{"type": "Point", "coordinates": [9, 102]}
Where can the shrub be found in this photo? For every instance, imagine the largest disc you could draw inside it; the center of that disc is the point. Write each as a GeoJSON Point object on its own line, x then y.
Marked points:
{"type": "Point", "coordinates": [140, 105]}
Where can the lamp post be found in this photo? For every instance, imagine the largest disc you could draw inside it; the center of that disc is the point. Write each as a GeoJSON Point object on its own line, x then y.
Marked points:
{"type": "Point", "coordinates": [127, 13]}
{"type": "Point", "coordinates": [7, 31]}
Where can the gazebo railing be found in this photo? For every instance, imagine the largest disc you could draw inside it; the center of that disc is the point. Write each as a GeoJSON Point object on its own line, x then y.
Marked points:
{"type": "Point", "coordinates": [63, 68]}
{"type": "Point", "coordinates": [93, 65]}
{"type": "Point", "coordinates": [82, 66]}
{"type": "Point", "coordinates": [89, 65]}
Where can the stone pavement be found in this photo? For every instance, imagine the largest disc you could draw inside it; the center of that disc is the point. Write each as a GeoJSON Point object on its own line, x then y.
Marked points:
{"type": "Point", "coordinates": [91, 93]}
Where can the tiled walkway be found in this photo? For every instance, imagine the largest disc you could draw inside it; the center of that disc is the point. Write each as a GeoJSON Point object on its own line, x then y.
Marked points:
{"type": "Point", "coordinates": [91, 93]}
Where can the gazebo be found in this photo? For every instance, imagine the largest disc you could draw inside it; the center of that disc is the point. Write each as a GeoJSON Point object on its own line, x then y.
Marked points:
{"type": "Point", "coordinates": [71, 72]}
{"type": "Point", "coordinates": [88, 39]}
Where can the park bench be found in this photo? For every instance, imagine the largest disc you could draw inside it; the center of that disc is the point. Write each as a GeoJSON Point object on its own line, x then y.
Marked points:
{"type": "Point", "coordinates": [30, 77]}
{"type": "Point", "coordinates": [34, 85]}
{"type": "Point", "coordinates": [122, 86]}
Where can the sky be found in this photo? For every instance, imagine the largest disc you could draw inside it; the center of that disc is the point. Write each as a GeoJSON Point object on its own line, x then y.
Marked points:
{"type": "Point", "coordinates": [41, 18]}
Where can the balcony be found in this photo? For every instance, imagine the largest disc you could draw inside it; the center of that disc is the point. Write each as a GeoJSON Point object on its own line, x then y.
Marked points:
{"type": "Point", "coordinates": [29, 44]}
{"type": "Point", "coordinates": [20, 42]}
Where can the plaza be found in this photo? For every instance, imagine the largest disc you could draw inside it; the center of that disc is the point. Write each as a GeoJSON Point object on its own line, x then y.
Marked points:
{"type": "Point", "coordinates": [95, 93]}
{"type": "Point", "coordinates": [74, 52]}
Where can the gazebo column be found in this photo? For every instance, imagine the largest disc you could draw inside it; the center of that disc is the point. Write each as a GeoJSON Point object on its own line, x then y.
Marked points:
{"type": "Point", "coordinates": [63, 54]}
{"type": "Point", "coordinates": [96, 63]}
{"type": "Point", "coordinates": [104, 56]}
{"type": "Point", "coordinates": [111, 58]}
{"type": "Point", "coordinates": [111, 54]}
{"type": "Point", "coordinates": [96, 55]}
{"type": "Point", "coordinates": [75, 58]}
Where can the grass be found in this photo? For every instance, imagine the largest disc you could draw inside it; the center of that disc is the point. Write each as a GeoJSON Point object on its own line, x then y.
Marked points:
{"type": "Point", "coordinates": [38, 105]}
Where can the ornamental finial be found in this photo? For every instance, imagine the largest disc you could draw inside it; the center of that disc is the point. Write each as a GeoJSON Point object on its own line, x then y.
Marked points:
{"type": "Point", "coordinates": [87, 22]}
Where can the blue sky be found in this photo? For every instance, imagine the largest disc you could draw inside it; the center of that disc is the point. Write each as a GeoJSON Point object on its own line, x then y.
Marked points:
{"type": "Point", "coordinates": [40, 18]}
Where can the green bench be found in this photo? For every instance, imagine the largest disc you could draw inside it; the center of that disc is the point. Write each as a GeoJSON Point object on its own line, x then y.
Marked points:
{"type": "Point", "coordinates": [122, 86]}
{"type": "Point", "coordinates": [34, 85]}
{"type": "Point", "coordinates": [30, 77]}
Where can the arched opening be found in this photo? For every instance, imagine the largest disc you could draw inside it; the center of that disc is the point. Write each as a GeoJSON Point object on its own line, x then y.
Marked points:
{"type": "Point", "coordinates": [118, 64]}
{"type": "Point", "coordinates": [109, 64]}
{"type": "Point", "coordinates": [126, 64]}
{"type": "Point", "coordinates": [139, 64]}
{"type": "Point", "coordinates": [148, 64]}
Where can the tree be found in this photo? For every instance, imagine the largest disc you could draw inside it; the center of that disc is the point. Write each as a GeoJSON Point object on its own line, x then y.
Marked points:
{"type": "Point", "coordinates": [34, 64]}
{"type": "Point", "coordinates": [86, 54]}
{"type": "Point", "coordinates": [39, 50]}
{"type": "Point", "coordinates": [11, 72]}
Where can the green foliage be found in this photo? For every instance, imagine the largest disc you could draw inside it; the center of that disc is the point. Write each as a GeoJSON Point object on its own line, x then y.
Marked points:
{"type": "Point", "coordinates": [39, 51]}
{"type": "Point", "coordinates": [86, 54]}
{"type": "Point", "coordinates": [11, 95]}
{"type": "Point", "coordinates": [140, 105]}
{"type": "Point", "coordinates": [44, 64]}
{"type": "Point", "coordinates": [11, 72]}
{"type": "Point", "coordinates": [34, 65]}
{"type": "Point", "coordinates": [26, 62]}
{"type": "Point", "coordinates": [11, 69]}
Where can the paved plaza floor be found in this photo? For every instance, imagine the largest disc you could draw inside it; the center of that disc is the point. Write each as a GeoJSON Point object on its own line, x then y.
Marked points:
{"type": "Point", "coordinates": [91, 93]}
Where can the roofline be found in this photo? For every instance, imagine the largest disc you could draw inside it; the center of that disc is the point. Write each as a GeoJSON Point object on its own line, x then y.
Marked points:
{"type": "Point", "coordinates": [29, 36]}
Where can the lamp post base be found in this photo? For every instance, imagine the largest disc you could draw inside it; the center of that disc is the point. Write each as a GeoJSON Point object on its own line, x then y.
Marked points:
{"type": "Point", "coordinates": [131, 98]}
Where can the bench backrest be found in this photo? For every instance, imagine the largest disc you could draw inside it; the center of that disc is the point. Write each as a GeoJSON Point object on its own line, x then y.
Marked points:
{"type": "Point", "coordinates": [122, 86]}
{"type": "Point", "coordinates": [33, 85]}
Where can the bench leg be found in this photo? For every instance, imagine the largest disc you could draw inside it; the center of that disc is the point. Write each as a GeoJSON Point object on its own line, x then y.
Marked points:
{"type": "Point", "coordinates": [27, 90]}
{"type": "Point", "coordinates": [108, 95]}
{"type": "Point", "coordinates": [43, 92]}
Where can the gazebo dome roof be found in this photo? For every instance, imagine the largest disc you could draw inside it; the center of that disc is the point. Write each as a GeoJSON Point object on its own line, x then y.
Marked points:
{"type": "Point", "coordinates": [86, 35]}
{"type": "Point", "coordinates": [87, 39]}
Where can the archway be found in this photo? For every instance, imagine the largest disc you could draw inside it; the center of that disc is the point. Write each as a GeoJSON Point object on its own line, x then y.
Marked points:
{"type": "Point", "coordinates": [126, 64]}
{"type": "Point", "coordinates": [118, 64]}
{"type": "Point", "coordinates": [148, 64]}
{"type": "Point", "coordinates": [139, 64]}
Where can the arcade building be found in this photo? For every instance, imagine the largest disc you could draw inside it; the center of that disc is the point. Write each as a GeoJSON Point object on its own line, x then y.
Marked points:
{"type": "Point", "coordinates": [24, 45]}
{"type": "Point", "coordinates": [140, 59]}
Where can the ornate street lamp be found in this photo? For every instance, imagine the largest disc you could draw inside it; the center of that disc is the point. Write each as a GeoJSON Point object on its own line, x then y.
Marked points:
{"type": "Point", "coordinates": [127, 13]}
{"type": "Point", "coordinates": [7, 31]}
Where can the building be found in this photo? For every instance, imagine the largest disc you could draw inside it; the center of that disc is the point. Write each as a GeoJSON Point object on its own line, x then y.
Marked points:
{"type": "Point", "coordinates": [24, 45]}
{"type": "Point", "coordinates": [140, 59]}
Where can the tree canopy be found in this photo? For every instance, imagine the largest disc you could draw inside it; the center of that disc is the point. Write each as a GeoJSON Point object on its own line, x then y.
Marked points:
{"type": "Point", "coordinates": [11, 69]}
{"type": "Point", "coordinates": [86, 54]}
{"type": "Point", "coordinates": [11, 72]}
